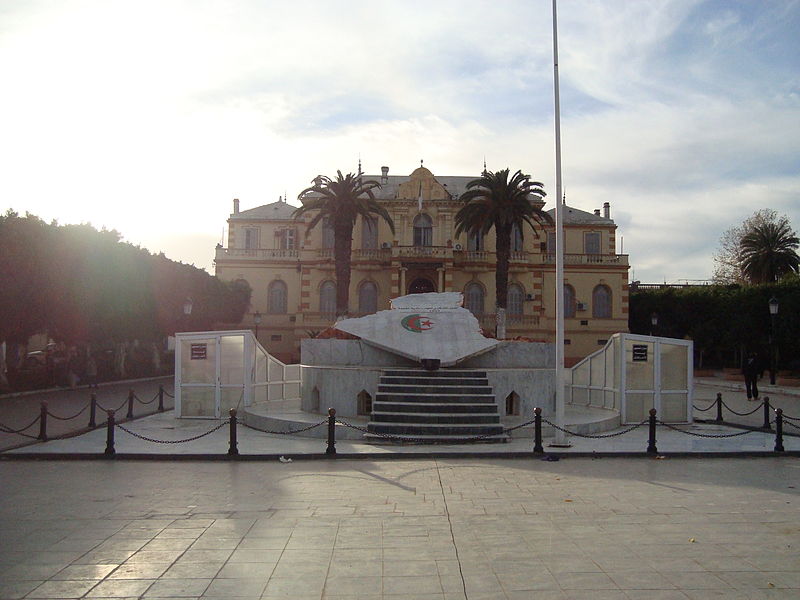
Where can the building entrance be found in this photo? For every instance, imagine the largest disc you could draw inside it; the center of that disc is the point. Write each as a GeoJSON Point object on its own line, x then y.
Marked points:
{"type": "Point", "coordinates": [421, 285]}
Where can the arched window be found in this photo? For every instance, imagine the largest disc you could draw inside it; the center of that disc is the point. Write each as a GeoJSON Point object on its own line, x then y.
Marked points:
{"type": "Point", "coordinates": [327, 234]}
{"type": "Point", "coordinates": [327, 298]}
{"type": "Point", "coordinates": [601, 302]}
{"type": "Point", "coordinates": [569, 301]}
{"type": "Point", "coordinates": [276, 298]}
{"type": "Point", "coordinates": [473, 298]}
{"type": "Point", "coordinates": [369, 233]}
{"type": "Point", "coordinates": [423, 231]}
{"type": "Point", "coordinates": [368, 298]}
{"type": "Point", "coordinates": [515, 298]}
{"type": "Point", "coordinates": [475, 241]}
{"type": "Point", "coordinates": [516, 238]}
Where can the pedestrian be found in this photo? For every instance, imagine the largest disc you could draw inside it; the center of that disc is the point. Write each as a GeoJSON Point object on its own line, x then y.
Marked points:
{"type": "Point", "coordinates": [91, 371]}
{"type": "Point", "coordinates": [751, 368]}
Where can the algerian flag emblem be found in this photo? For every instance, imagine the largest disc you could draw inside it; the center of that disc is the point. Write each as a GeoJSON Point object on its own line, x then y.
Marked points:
{"type": "Point", "coordinates": [417, 323]}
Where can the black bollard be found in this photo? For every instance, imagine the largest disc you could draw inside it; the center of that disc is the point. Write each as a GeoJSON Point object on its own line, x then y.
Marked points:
{"type": "Point", "coordinates": [537, 431]}
{"type": "Point", "coordinates": [110, 435]}
{"type": "Point", "coordinates": [93, 411]}
{"type": "Point", "coordinates": [766, 413]}
{"type": "Point", "coordinates": [130, 405]}
{"type": "Point", "coordinates": [719, 407]}
{"type": "Point", "coordinates": [43, 421]}
{"type": "Point", "coordinates": [161, 398]}
{"type": "Point", "coordinates": [651, 443]}
{"type": "Point", "coordinates": [233, 445]}
{"type": "Point", "coordinates": [331, 450]}
{"type": "Point", "coordinates": [778, 430]}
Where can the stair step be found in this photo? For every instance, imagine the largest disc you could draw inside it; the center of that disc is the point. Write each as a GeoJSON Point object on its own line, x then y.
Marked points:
{"type": "Point", "coordinates": [452, 429]}
{"type": "Point", "coordinates": [436, 439]}
{"type": "Point", "coordinates": [436, 398]}
{"type": "Point", "coordinates": [438, 381]}
{"type": "Point", "coordinates": [435, 389]}
{"type": "Point", "coordinates": [434, 407]}
{"type": "Point", "coordinates": [436, 418]}
{"type": "Point", "coordinates": [439, 373]}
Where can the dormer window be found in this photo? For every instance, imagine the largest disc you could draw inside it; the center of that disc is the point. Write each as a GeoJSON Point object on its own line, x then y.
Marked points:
{"type": "Point", "coordinates": [591, 242]}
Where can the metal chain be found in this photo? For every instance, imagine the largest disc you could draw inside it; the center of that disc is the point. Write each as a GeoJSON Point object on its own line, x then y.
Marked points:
{"type": "Point", "coordinates": [790, 424]}
{"type": "Point", "coordinates": [597, 436]}
{"type": "Point", "coordinates": [283, 432]}
{"type": "Point", "coordinates": [704, 409]}
{"type": "Point", "coordinates": [77, 414]}
{"type": "Point", "coordinates": [388, 436]}
{"type": "Point", "coordinates": [705, 435]}
{"type": "Point", "coordinates": [119, 408]}
{"type": "Point", "coordinates": [148, 402]}
{"type": "Point", "coordinates": [509, 429]}
{"type": "Point", "coordinates": [759, 407]}
{"type": "Point", "coordinates": [168, 394]}
{"type": "Point", "coordinates": [788, 418]}
{"type": "Point", "coordinates": [196, 437]}
{"type": "Point", "coordinates": [7, 429]}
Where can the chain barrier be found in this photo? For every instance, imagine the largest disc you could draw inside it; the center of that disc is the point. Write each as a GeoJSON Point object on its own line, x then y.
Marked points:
{"type": "Point", "coordinates": [191, 439]}
{"type": "Point", "coordinates": [705, 435]}
{"type": "Point", "coordinates": [388, 436]}
{"type": "Point", "coordinates": [143, 402]}
{"type": "Point", "coordinates": [116, 410]}
{"type": "Point", "coordinates": [521, 425]}
{"type": "Point", "coordinates": [789, 423]}
{"type": "Point", "coordinates": [77, 414]}
{"type": "Point", "coordinates": [713, 404]}
{"type": "Point", "coordinates": [166, 393]}
{"type": "Point", "coordinates": [757, 408]}
{"type": "Point", "coordinates": [788, 418]}
{"type": "Point", "coordinates": [7, 429]}
{"type": "Point", "coordinates": [596, 436]}
{"type": "Point", "coordinates": [283, 432]}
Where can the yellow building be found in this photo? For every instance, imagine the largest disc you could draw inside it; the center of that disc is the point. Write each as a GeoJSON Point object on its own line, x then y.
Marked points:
{"type": "Point", "coordinates": [292, 273]}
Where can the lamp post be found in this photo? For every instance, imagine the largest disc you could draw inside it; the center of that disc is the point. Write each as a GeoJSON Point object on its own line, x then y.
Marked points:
{"type": "Point", "coordinates": [653, 323]}
{"type": "Point", "coordinates": [187, 310]}
{"type": "Point", "coordinates": [773, 312]}
{"type": "Point", "coordinates": [257, 321]}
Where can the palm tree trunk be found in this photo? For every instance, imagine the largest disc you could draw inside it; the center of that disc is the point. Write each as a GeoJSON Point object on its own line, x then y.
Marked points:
{"type": "Point", "coordinates": [342, 246]}
{"type": "Point", "coordinates": [503, 249]}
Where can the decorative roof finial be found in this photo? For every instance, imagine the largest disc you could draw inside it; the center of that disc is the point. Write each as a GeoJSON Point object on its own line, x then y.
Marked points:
{"type": "Point", "coordinates": [420, 163]}
{"type": "Point", "coordinates": [484, 172]}
{"type": "Point", "coordinates": [359, 163]}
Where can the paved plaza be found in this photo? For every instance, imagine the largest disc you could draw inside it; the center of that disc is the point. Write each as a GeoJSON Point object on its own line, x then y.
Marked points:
{"type": "Point", "coordinates": [410, 529]}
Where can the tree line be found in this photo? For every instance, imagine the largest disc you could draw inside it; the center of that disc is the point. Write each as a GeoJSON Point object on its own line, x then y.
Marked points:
{"type": "Point", "coordinates": [85, 287]}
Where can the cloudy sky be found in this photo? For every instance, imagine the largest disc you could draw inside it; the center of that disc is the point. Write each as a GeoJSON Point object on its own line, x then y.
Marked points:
{"type": "Point", "coordinates": [150, 117]}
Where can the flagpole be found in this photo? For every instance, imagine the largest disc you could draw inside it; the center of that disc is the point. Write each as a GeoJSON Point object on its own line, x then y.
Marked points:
{"type": "Point", "coordinates": [560, 438]}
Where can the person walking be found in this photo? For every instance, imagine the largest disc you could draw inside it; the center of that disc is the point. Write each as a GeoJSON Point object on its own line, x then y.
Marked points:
{"type": "Point", "coordinates": [751, 368]}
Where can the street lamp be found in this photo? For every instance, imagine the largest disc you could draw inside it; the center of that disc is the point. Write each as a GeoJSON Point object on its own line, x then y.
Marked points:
{"type": "Point", "coordinates": [257, 321]}
{"type": "Point", "coordinates": [653, 323]}
{"type": "Point", "coordinates": [773, 312]}
{"type": "Point", "coordinates": [187, 310]}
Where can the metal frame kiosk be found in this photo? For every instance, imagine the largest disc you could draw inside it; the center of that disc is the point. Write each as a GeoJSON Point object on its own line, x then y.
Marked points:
{"type": "Point", "coordinates": [634, 373]}
{"type": "Point", "coordinates": [219, 370]}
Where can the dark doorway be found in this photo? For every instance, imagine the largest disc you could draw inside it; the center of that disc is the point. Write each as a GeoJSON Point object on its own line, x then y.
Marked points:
{"type": "Point", "coordinates": [421, 285]}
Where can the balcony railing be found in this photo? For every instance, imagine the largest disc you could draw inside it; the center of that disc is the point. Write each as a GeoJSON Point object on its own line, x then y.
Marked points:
{"type": "Point", "coordinates": [257, 253]}
{"type": "Point", "coordinates": [587, 259]}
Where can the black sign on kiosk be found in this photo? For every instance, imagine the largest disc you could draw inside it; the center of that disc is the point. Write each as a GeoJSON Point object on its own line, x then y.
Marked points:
{"type": "Point", "coordinates": [640, 353]}
{"type": "Point", "coordinates": [199, 352]}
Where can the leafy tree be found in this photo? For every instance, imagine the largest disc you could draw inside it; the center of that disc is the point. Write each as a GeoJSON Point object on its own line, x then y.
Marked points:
{"type": "Point", "coordinates": [495, 201]}
{"type": "Point", "coordinates": [729, 258]}
{"type": "Point", "coordinates": [340, 201]}
{"type": "Point", "coordinates": [769, 251]}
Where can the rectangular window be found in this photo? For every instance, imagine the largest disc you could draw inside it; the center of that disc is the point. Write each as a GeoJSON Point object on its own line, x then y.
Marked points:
{"type": "Point", "coordinates": [285, 239]}
{"type": "Point", "coordinates": [251, 238]}
{"type": "Point", "coordinates": [591, 242]}
{"type": "Point", "coordinates": [551, 242]}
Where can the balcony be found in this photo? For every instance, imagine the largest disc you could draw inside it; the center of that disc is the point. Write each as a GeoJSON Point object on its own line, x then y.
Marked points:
{"type": "Point", "coordinates": [256, 254]}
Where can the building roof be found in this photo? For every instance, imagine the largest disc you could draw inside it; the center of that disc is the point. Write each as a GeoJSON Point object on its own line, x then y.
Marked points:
{"type": "Point", "coordinates": [276, 210]}
{"type": "Point", "coordinates": [575, 216]}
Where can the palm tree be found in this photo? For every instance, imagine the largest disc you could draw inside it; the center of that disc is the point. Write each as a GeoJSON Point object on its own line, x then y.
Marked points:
{"type": "Point", "coordinates": [494, 201]}
{"type": "Point", "coordinates": [769, 251]}
{"type": "Point", "coordinates": [340, 201]}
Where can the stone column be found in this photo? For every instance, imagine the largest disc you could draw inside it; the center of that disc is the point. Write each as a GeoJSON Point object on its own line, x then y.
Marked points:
{"type": "Point", "coordinates": [401, 291]}
{"type": "Point", "coordinates": [441, 279]}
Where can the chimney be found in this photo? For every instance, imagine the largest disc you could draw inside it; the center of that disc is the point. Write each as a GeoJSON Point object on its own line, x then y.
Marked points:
{"type": "Point", "coordinates": [236, 206]}
{"type": "Point", "coordinates": [384, 174]}
{"type": "Point", "coordinates": [606, 210]}
{"type": "Point", "coordinates": [597, 211]}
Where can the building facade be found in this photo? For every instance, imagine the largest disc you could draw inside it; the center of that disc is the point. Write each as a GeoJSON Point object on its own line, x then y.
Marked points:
{"type": "Point", "coordinates": [291, 269]}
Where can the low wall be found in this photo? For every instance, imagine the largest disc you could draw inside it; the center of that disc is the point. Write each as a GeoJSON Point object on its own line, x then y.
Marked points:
{"type": "Point", "coordinates": [336, 371]}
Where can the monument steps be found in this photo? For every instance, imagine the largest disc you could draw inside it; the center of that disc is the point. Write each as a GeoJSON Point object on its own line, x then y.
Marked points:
{"type": "Point", "coordinates": [443, 406]}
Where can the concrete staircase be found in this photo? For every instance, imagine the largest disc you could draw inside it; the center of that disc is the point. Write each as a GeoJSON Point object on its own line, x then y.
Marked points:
{"type": "Point", "coordinates": [444, 406]}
